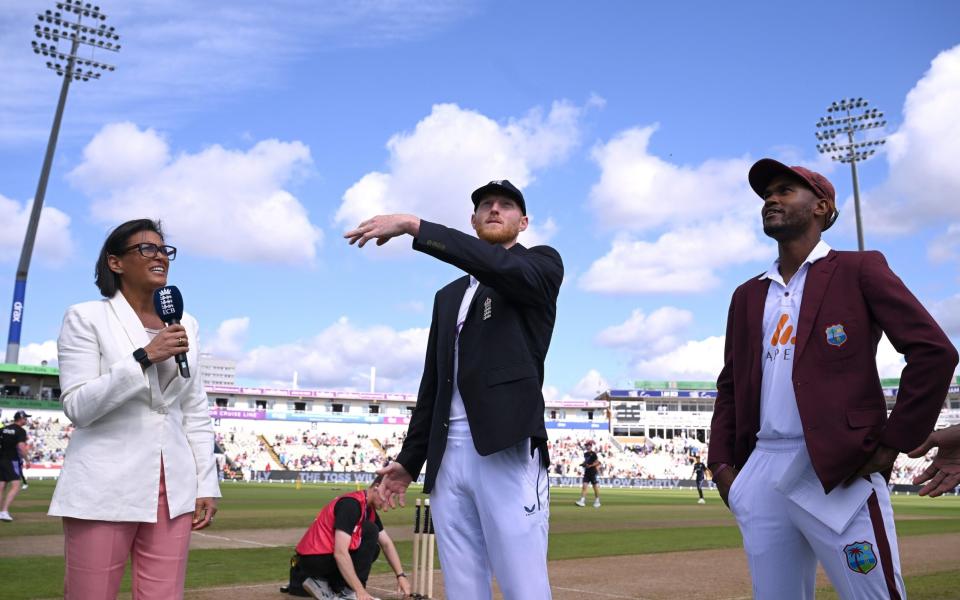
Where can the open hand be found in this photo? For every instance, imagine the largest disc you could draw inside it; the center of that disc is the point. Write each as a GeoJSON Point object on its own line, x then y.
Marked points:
{"type": "Point", "coordinates": [393, 486]}
{"type": "Point", "coordinates": [383, 228]}
{"type": "Point", "coordinates": [943, 475]}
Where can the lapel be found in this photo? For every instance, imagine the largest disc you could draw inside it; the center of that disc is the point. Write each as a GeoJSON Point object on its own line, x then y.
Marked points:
{"type": "Point", "coordinates": [756, 299]}
{"type": "Point", "coordinates": [454, 297]}
{"type": "Point", "coordinates": [137, 338]}
{"type": "Point", "coordinates": [814, 289]}
{"type": "Point", "coordinates": [482, 289]}
{"type": "Point", "coordinates": [130, 321]}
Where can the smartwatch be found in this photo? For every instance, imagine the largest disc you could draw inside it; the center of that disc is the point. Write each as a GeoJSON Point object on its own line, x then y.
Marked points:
{"type": "Point", "coordinates": [140, 355]}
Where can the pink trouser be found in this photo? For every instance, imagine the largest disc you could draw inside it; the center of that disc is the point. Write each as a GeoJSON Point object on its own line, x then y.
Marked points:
{"type": "Point", "coordinates": [97, 552]}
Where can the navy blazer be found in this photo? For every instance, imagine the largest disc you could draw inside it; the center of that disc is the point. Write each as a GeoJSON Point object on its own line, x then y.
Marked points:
{"type": "Point", "coordinates": [839, 395]}
{"type": "Point", "coordinates": [503, 345]}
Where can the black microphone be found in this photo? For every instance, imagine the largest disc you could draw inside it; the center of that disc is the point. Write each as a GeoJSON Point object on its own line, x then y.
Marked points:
{"type": "Point", "coordinates": [168, 303]}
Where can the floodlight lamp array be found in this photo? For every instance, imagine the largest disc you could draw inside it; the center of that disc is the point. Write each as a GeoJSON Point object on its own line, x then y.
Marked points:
{"type": "Point", "coordinates": [52, 51]}
{"type": "Point", "coordinates": [868, 146]}
{"type": "Point", "coordinates": [53, 27]}
{"type": "Point", "coordinates": [846, 104]}
{"type": "Point", "coordinates": [81, 8]}
{"type": "Point", "coordinates": [57, 29]}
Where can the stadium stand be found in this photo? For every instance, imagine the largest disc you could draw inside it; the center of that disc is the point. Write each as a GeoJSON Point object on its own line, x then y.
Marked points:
{"type": "Point", "coordinates": [252, 449]}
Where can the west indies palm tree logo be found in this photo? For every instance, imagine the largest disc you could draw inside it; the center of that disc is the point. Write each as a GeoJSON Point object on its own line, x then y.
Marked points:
{"type": "Point", "coordinates": [836, 336]}
{"type": "Point", "coordinates": [860, 557]}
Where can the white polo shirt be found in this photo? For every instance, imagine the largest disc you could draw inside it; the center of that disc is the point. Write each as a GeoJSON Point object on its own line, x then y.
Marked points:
{"type": "Point", "coordinates": [457, 411]}
{"type": "Point", "coordinates": [779, 415]}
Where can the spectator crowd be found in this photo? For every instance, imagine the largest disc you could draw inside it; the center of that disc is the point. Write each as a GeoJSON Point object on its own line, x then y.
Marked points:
{"type": "Point", "coordinates": [246, 453]}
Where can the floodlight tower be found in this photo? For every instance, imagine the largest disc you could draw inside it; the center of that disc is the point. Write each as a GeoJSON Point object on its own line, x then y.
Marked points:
{"type": "Point", "coordinates": [852, 116]}
{"type": "Point", "coordinates": [65, 24]}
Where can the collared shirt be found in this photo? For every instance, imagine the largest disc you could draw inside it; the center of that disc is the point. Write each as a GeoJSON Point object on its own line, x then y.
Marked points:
{"type": "Point", "coordinates": [457, 411]}
{"type": "Point", "coordinates": [779, 415]}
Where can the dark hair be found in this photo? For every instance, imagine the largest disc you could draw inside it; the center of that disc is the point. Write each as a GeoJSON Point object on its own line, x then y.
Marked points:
{"type": "Point", "coordinates": [116, 244]}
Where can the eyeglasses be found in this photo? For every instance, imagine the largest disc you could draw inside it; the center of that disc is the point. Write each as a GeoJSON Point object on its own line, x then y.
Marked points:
{"type": "Point", "coordinates": [151, 250]}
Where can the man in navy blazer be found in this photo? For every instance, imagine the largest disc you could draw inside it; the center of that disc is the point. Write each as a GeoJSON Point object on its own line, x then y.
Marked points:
{"type": "Point", "coordinates": [800, 433]}
{"type": "Point", "coordinates": [479, 422]}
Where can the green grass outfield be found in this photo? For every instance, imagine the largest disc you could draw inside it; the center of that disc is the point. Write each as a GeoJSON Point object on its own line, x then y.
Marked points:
{"type": "Point", "coordinates": [630, 522]}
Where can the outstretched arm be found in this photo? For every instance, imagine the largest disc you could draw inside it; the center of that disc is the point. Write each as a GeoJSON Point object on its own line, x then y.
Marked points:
{"type": "Point", "coordinates": [532, 277]}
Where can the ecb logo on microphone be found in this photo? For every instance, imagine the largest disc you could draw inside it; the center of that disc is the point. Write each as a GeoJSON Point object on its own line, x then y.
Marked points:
{"type": "Point", "coordinates": [17, 311]}
{"type": "Point", "coordinates": [166, 302]}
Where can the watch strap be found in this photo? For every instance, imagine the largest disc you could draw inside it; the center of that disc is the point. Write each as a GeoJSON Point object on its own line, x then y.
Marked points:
{"type": "Point", "coordinates": [140, 355]}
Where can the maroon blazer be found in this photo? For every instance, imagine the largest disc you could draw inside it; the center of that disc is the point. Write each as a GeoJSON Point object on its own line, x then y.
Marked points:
{"type": "Point", "coordinates": [838, 390]}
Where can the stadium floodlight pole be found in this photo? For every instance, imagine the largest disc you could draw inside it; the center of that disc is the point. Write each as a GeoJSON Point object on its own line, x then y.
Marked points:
{"type": "Point", "coordinates": [65, 24]}
{"type": "Point", "coordinates": [852, 115]}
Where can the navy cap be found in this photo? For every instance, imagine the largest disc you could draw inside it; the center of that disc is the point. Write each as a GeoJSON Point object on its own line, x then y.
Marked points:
{"type": "Point", "coordinates": [500, 187]}
{"type": "Point", "coordinates": [20, 414]}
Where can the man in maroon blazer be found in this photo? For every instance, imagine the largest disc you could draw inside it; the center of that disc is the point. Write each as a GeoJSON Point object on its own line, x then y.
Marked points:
{"type": "Point", "coordinates": [800, 439]}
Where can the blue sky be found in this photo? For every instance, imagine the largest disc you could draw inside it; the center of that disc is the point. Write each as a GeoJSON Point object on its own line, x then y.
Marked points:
{"type": "Point", "coordinates": [260, 132]}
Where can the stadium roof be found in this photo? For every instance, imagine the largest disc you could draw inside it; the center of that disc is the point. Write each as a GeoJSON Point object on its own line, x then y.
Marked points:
{"type": "Point", "coordinates": [644, 388]}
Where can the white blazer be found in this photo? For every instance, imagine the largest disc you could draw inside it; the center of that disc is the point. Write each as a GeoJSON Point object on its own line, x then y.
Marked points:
{"type": "Point", "coordinates": [124, 422]}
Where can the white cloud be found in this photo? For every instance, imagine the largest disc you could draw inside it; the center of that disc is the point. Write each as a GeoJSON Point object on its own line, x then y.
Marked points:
{"type": "Point", "coordinates": [341, 355]}
{"type": "Point", "coordinates": [645, 335]}
{"type": "Point", "coordinates": [705, 218]}
{"type": "Point", "coordinates": [694, 360]}
{"type": "Point", "coordinates": [432, 170]}
{"type": "Point", "coordinates": [702, 360]}
{"type": "Point", "coordinates": [685, 259]}
{"type": "Point", "coordinates": [946, 246]}
{"type": "Point", "coordinates": [181, 55]}
{"type": "Point", "coordinates": [638, 191]}
{"type": "Point", "coordinates": [105, 166]}
{"type": "Point", "coordinates": [538, 235]}
{"type": "Point", "coordinates": [923, 179]}
{"type": "Point", "coordinates": [230, 338]}
{"type": "Point", "coordinates": [947, 314]}
{"type": "Point", "coordinates": [224, 203]}
{"type": "Point", "coordinates": [54, 242]}
{"type": "Point", "coordinates": [589, 387]}
{"type": "Point", "coordinates": [36, 353]}
{"type": "Point", "coordinates": [889, 362]}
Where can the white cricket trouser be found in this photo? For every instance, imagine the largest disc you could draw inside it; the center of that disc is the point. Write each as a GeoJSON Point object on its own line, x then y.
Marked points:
{"type": "Point", "coordinates": [783, 541]}
{"type": "Point", "coordinates": [491, 512]}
